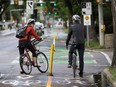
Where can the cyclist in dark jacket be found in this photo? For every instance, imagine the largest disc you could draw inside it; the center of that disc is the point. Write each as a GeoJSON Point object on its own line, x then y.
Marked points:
{"type": "Point", "coordinates": [26, 41]}
{"type": "Point", "coordinates": [77, 35]}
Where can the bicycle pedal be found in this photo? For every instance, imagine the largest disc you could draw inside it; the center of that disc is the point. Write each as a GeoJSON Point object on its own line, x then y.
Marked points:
{"type": "Point", "coordinates": [21, 72]}
{"type": "Point", "coordinates": [36, 66]}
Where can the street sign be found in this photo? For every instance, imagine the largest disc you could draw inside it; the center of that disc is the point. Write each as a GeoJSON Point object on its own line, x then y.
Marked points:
{"type": "Point", "coordinates": [86, 8]}
{"type": "Point", "coordinates": [87, 20]}
{"type": "Point", "coordinates": [29, 7]}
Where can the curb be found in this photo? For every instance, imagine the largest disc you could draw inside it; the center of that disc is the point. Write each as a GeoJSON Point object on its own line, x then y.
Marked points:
{"type": "Point", "coordinates": [107, 79]}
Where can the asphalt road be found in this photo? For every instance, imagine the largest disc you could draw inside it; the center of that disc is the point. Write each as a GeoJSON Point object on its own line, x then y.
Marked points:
{"type": "Point", "coordinates": [94, 61]}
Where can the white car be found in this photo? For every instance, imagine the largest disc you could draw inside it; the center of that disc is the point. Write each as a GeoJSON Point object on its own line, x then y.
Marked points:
{"type": "Point", "coordinates": [39, 25]}
{"type": "Point", "coordinates": [39, 28]}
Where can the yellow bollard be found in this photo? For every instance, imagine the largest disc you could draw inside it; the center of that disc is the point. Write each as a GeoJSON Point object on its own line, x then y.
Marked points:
{"type": "Point", "coordinates": [51, 59]}
{"type": "Point", "coordinates": [54, 40]}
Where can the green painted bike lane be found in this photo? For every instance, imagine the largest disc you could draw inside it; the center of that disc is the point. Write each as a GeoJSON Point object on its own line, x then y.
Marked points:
{"type": "Point", "coordinates": [61, 56]}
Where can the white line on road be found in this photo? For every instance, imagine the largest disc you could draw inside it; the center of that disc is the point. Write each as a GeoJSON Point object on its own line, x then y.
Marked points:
{"type": "Point", "coordinates": [107, 57]}
{"type": "Point", "coordinates": [95, 61]}
{"type": "Point", "coordinates": [92, 56]}
{"type": "Point", "coordinates": [14, 62]}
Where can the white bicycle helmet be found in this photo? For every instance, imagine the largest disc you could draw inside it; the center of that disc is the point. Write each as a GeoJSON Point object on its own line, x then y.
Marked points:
{"type": "Point", "coordinates": [31, 21]}
{"type": "Point", "coordinates": [76, 18]}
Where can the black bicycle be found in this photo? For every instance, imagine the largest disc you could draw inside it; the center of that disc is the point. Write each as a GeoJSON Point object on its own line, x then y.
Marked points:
{"type": "Point", "coordinates": [26, 62]}
{"type": "Point", "coordinates": [74, 60]}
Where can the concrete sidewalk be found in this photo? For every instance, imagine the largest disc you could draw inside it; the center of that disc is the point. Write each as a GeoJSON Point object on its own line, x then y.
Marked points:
{"type": "Point", "coordinates": [7, 32]}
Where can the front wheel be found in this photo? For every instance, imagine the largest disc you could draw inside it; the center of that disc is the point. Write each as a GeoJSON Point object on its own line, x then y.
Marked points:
{"type": "Point", "coordinates": [25, 64]}
{"type": "Point", "coordinates": [42, 61]}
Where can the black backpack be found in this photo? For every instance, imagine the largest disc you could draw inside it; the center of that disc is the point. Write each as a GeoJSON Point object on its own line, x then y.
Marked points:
{"type": "Point", "coordinates": [21, 32]}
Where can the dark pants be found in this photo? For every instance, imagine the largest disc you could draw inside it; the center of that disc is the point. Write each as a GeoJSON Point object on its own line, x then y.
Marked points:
{"type": "Point", "coordinates": [80, 47]}
{"type": "Point", "coordinates": [26, 44]}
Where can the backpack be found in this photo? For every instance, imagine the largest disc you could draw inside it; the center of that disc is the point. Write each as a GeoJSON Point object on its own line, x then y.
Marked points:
{"type": "Point", "coordinates": [21, 32]}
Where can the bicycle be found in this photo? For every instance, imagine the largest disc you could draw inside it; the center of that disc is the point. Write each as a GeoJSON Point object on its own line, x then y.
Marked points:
{"type": "Point", "coordinates": [26, 62]}
{"type": "Point", "coordinates": [74, 60]}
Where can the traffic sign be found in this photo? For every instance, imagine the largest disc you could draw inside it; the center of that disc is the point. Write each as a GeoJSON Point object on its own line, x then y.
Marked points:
{"type": "Point", "coordinates": [29, 7]}
{"type": "Point", "coordinates": [87, 20]}
{"type": "Point", "coordinates": [86, 8]}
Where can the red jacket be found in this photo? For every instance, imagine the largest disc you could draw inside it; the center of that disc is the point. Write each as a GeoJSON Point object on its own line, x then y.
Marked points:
{"type": "Point", "coordinates": [31, 32]}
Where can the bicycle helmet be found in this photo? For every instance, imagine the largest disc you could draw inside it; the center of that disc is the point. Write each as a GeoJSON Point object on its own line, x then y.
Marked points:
{"type": "Point", "coordinates": [31, 21]}
{"type": "Point", "coordinates": [76, 18]}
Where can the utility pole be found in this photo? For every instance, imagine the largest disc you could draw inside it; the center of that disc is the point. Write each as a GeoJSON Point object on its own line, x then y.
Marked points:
{"type": "Point", "coordinates": [101, 22]}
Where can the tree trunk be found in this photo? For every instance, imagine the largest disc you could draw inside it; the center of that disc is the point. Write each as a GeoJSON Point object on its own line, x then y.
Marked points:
{"type": "Point", "coordinates": [114, 28]}
{"type": "Point", "coordinates": [92, 33]}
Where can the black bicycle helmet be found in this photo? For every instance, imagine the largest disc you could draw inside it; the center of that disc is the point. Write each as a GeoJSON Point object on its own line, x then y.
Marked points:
{"type": "Point", "coordinates": [31, 21]}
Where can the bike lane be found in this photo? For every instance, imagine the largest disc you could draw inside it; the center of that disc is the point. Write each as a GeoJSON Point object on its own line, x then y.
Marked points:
{"type": "Point", "coordinates": [62, 76]}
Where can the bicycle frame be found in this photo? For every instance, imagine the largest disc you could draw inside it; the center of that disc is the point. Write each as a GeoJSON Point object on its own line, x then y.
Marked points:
{"type": "Point", "coordinates": [26, 66]}
{"type": "Point", "coordinates": [74, 60]}
{"type": "Point", "coordinates": [26, 52]}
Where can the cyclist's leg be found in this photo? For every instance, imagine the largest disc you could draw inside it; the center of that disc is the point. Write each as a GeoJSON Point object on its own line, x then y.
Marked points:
{"type": "Point", "coordinates": [70, 54]}
{"type": "Point", "coordinates": [34, 55]}
{"type": "Point", "coordinates": [81, 49]}
{"type": "Point", "coordinates": [21, 47]}
{"type": "Point", "coordinates": [21, 51]}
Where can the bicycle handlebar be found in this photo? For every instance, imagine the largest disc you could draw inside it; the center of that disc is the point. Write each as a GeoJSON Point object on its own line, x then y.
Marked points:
{"type": "Point", "coordinates": [72, 43]}
{"type": "Point", "coordinates": [35, 41]}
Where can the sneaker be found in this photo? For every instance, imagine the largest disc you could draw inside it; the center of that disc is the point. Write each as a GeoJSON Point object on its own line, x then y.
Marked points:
{"type": "Point", "coordinates": [69, 66]}
{"type": "Point", "coordinates": [32, 62]}
{"type": "Point", "coordinates": [21, 72]}
{"type": "Point", "coordinates": [36, 65]}
{"type": "Point", "coordinates": [81, 74]}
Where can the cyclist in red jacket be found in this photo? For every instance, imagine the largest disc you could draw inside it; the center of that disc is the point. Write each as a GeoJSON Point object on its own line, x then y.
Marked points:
{"type": "Point", "coordinates": [26, 41]}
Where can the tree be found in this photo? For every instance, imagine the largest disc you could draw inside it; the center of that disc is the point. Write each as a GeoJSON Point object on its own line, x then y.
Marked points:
{"type": "Point", "coordinates": [75, 8]}
{"type": "Point", "coordinates": [70, 7]}
{"type": "Point", "coordinates": [114, 28]}
{"type": "Point", "coordinates": [3, 6]}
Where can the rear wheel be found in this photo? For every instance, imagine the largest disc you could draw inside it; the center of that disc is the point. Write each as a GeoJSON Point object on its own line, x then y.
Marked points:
{"type": "Point", "coordinates": [25, 64]}
{"type": "Point", "coordinates": [42, 61]}
{"type": "Point", "coordinates": [74, 65]}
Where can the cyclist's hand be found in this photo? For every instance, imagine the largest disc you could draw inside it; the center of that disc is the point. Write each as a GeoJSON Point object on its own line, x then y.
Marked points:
{"type": "Point", "coordinates": [40, 39]}
{"type": "Point", "coordinates": [66, 46]}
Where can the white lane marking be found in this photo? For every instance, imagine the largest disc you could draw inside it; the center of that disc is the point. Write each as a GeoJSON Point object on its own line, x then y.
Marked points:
{"type": "Point", "coordinates": [1, 75]}
{"type": "Point", "coordinates": [13, 82]}
{"type": "Point", "coordinates": [88, 53]}
{"type": "Point", "coordinates": [21, 83]}
{"type": "Point", "coordinates": [65, 81]}
{"type": "Point", "coordinates": [24, 77]}
{"type": "Point", "coordinates": [92, 56]}
{"type": "Point", "coordinates": [107, 57]}
{"type": "Point", "coordinates": [95, 61]}
{"type": "Point", "coordinates": [14, 62]}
